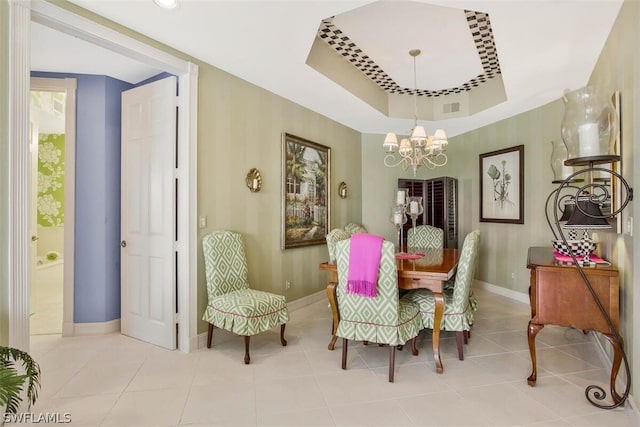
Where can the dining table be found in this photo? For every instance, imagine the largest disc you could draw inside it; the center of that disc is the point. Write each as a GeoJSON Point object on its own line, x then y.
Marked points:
{"type": "Point", "coordinates": [418, 268]}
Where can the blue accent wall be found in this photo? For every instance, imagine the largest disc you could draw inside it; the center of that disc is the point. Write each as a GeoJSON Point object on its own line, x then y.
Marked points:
{"type": "Point", "coordinates": [97, 201]}
{"type": "Point", "coordinates": [113, 117]}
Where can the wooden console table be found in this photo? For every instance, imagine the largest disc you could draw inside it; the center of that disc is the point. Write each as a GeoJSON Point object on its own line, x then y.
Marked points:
{"type": "Point", "coordinates": [560, 297]}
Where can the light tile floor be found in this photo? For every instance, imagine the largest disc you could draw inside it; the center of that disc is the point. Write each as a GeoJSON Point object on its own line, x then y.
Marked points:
{"type": "Point", "coordinates": [46, 303]}
{"type": "Point", "coordinates": [119, 381]}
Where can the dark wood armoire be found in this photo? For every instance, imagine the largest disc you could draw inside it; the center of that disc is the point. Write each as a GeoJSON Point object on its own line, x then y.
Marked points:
{"type": "Point", "coordinates": [440, 203]}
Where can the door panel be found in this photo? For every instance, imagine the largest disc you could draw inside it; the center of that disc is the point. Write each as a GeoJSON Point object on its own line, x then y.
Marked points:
{"type": "Point", "coordinates": [148, 213]}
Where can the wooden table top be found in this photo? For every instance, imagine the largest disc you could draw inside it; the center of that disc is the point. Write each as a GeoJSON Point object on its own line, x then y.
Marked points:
{"type": "Point", "coordinates": [436, 263]}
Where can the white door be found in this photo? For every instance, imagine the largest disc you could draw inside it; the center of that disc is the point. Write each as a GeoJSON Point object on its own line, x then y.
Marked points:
{"type": "Point", "coordinates": [148, 223]}
{"type": "Point", "coordinates": [33, 205]}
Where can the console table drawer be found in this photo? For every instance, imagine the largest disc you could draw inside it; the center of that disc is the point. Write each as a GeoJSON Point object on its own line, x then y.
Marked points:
{"type": "Point", "coordinates": [563, 299]}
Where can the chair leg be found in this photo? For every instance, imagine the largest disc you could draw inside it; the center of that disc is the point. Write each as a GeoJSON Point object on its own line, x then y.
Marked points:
{"type": "Point", "coordinates": [247, 359]}
{"type": "Point", "coordinates": [282, 340]}
{"type": "Point", "coordinates": [209, 335]}
{"type": "Point", "coordinates": [467, 336]}
{"type": "Point", "coordinates": [414, 348]}
{"type": "Point", "coordinates": [459, 339]}
{"type": "Point", "coordinates": [392, 361]}
{"type": "Point", "coordinates": [345, 343]}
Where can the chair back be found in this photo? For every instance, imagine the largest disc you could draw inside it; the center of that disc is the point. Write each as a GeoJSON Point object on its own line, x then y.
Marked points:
{"type": "Point", "coordinates": [381, 310]}
{"type": "Point", "coordinates": [334, 237]}
{"type": "Point", "coordinates": [353, 228]}
{"type": "Point", "coordinates": [225, 263]}
{"type": "Point", "coordinates": [425, 236]}
{"type": "Point", "coordinates": [466, 269]}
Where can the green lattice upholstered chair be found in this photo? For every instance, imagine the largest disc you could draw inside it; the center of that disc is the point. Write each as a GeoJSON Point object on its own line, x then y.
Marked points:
{"type": "Point", "coordinates": [425, 236]}
{"type": "Point", "coordinates": [233, 306]}
{"type": "Point", "coordinates": [458, 309]}
{"type": "Point", "coordinates": [384, 319]}
{"type": "Point", "coordinates": [353, 228]}
{"type": "Point", "coordinates": [334, 237]}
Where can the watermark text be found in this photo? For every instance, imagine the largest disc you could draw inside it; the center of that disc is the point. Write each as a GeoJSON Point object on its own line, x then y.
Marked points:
{"type": "Point", "coordinates": [42, 417]}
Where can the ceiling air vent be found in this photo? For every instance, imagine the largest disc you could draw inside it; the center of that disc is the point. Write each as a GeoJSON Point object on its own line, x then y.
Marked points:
{"type": "Point", "coordinates": [453, 107]}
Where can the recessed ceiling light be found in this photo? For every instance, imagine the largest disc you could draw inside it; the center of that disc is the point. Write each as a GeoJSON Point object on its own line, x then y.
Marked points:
{"type": "Point", "coordinates": [167, 4]}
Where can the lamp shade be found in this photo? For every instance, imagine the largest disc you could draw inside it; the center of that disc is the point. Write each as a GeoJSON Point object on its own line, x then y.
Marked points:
{"type": "Point", "coordinates": [390, 142]}
{"type": "Point", "coordinates": [405, 147]}
{"type": "Point", "coordinates": [588, 217]}
{"type": "Point", "coordinates": [418, 134]}
{"type": "Point", "coordinates": [440, 135]}
{"type": "Point", "coordinates": [569, 208]}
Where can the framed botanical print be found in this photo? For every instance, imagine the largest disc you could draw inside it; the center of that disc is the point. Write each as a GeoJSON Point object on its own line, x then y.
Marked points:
{"type": "Point", "coordinates": [502, 186]}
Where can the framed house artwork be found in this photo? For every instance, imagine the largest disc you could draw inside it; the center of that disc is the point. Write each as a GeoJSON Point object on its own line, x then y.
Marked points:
{"type": "Point", "coordinates": [306, 200]}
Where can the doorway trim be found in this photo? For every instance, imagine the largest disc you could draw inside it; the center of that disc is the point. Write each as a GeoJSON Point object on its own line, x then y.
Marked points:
{"type": "Point", "coordinates": [21, 15]}
{"type": "Point", "coordinates": [68, 85]}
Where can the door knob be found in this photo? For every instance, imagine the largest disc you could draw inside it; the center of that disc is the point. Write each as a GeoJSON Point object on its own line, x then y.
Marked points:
{"type": "Point", "coordinates": [123, 243]}
{"type": "Point", "coordinates": [34, 238]}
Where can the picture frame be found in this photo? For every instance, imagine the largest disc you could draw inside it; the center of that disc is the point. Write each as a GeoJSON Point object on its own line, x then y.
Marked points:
{"type": "Point", "coordinates": [306, 200]}
{"type": "Point", "coordinates": [502, 186]}
{"type": "Point", "coordinates": [616, 190]}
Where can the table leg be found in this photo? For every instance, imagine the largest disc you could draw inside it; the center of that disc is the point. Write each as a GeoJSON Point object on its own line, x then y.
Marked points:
{"type": "Point", "coordinates": [437, 319]}
{"type": "Point", "coordinates": [532, 331]}
{"type": "Point", "coordinates": [331, 295]}
{"type": "Point", "coordinates": [615, 367]}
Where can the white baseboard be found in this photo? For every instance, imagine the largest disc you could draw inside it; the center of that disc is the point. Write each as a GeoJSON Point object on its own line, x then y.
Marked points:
{"type": "Point", "coordinates": [67, 329]}
{"type": "Point", "coordinates": [201, 340]}
{"type": "Point", "coordinates": [97, 328]}
{"type": "Point", "coordinates": [308, 300]}
{"type": "Point", "coordinates": [194, 342]}
{"type": "Point", "coordinates": [509, 293]}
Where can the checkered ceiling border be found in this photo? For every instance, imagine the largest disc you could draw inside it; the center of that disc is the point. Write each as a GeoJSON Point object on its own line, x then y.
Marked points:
{"type": "Point", "coordinates": [480, 28]}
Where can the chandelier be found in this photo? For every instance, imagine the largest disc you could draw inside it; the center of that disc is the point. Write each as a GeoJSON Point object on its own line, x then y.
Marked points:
{"type": "Point", "coordinates": [419, 149]}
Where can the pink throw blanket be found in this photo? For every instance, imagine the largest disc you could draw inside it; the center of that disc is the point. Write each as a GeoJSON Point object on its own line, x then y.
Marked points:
{"type": "Point", "coordinates": [364, 262]}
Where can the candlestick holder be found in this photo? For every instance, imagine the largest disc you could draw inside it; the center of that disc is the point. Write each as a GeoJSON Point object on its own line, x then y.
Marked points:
{"type": "Point", "coordinates": [414, 208]}
{"type": "Point", "coordinates": [400, 197]}
{"type": "Point", "coordinates": [398, 218]}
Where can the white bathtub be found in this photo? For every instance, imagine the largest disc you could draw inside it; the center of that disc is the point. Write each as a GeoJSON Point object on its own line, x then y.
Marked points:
{"type": "Point", "coordinates": [47, 271]}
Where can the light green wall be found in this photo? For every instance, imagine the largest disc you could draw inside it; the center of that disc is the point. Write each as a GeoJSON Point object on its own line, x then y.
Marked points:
{"type": "Point", "coordinates": [240, 127]}
{"type": "Point", "coordinates": [4, 172]}
{"type": "Point", "coordinates": [503, 252]}
{"type": "Point", "coordinates": [618, 68]}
